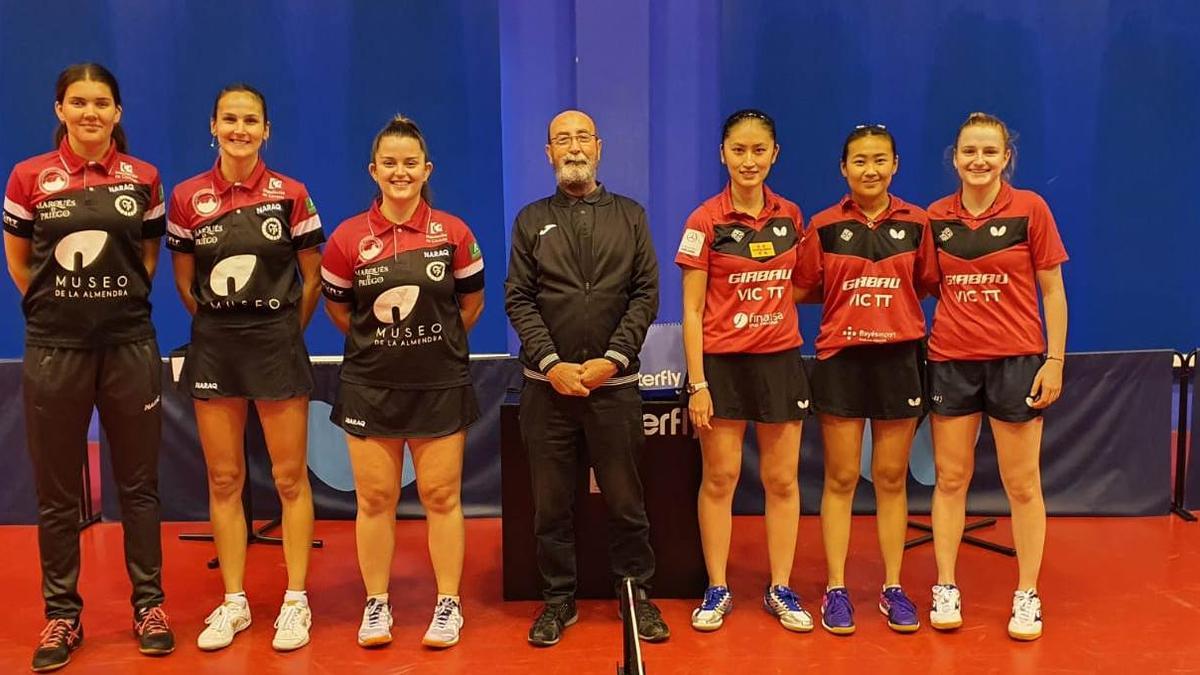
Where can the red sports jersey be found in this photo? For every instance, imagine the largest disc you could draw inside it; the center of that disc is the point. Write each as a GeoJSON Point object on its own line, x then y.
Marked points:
{"type": "Point", "coordinates": [988, 303]}
{"type": "Point", "coordinates": [244, 237]}
{"type": "Point", "coordinates": [750, 263]}
{"type": "Point", "coordinates": [401, 283]}
{"type": "Point", "coordinates": [86, 222]}
{"type": "Point", "coordinates": [873, 271]}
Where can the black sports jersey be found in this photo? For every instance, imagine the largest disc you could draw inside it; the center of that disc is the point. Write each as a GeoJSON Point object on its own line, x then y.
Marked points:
{"type": "Point", "coordinates": [86, 221]}
{"type": "Point", "coordinates": [401, 282]}
{"type": "Point", "coordinates": [244, 237]}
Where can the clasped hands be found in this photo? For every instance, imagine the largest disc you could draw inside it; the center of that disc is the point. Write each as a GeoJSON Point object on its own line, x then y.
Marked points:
{"type": "Point", "coordinates": [579, 379]}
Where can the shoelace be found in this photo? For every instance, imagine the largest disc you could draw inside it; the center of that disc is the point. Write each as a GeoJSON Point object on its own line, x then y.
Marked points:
{"type": "Point", "coordinates": [376, 615]}
{"type": "Point", "coordinates": [943, 599]}
{"type": "Point", "coordinates": [786, 597]}
{"type": "Point", "coordinates": [220, 618]}
{"type": "Point", "coordinates": [1026, 610]}
{"type": "Point", "coordinates": [154, 620]}
{"type": "Point", "coordinates": [646, 612]}
{"type": "Point", "coordinates": [838, 602]}
{"type": "Point", "coordinates": [289, 617]}
{"type": "Point", "coordinates": [713, 597]}
{"type": "Point", "coordinates": [57, 632]}
{"type": "Point", "coordinates": [899, 600]}
{"type": "Point", "coordinates": [443, 613]}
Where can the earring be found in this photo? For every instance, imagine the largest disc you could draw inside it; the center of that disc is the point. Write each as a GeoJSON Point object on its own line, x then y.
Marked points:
{"type": "Point", "coordinates": [213, 142]}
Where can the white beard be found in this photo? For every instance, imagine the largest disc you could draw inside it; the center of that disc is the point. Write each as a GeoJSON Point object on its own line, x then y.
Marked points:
{"type": "Point", "coordinates": [575, 174]}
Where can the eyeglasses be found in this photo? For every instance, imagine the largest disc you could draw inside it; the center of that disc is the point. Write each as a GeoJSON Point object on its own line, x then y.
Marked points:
{"type": "Point", "coordinates": [860, 127]}
{"type": "Point", "coordinates": [564, 140]}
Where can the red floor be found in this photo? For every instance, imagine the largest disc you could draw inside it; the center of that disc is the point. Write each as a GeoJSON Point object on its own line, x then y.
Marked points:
{"type": "Point", "coordinates": [1119, 594]}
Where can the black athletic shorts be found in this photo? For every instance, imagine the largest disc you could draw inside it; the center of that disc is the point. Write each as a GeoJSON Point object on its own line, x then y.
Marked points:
{"type": "Point", "coordinates": [882, 382]}
{"type": "Point", "coordinates": [998, 387]}
{"type": "Point", "coordinates": [365, 410]}
{"type": "Point", "coordinates": [769, 388]}
{"type": "Point", "coordinates": [260, 361]}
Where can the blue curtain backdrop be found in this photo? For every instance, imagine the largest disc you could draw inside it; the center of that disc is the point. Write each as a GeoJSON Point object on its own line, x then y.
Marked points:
{"type": "Point", "coordinates": [1101, 93]}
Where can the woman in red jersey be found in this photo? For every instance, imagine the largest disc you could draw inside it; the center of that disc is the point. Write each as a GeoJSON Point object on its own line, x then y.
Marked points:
{"type": "Point", "coordinates": [738, 253]}
{"type": "Point", "coordinates": [872, 254]}
{"type": "Point", "coordinates": [404, 282]}
{"type": "Point", "coordinates": [245, 242]}
{"type": "Point", "coordinates": [988, 354]}
{"type": "Point", "coordinates": [82, 225]}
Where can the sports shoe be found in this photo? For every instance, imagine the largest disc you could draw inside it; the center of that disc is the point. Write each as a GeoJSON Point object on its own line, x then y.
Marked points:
{"type": "Point", "coordinates": [59, 638]}
{"type": "Point", "coordinates": [901, 613]}
{"type": "Point", "coordinates": [837, 612]}
{"type": "Point", "coordinates": [446, 625]}
{"type": "Point", "coordinates": [548, 627]}
{"type": "Point", "coordinates": [376, 627]}
{"type": "Point", "coordinates": [945, 612]}
{"type": "Point", "coordinates": [153, 632]}
{"type": "Point", "coordinates": [785, 604]}
{"type": "Point", "coordinates": [226, 621]}
{"type": "Point", "coordinates": [650, 624]}
{"type": "Point", "coordinates": [291, 626]}
{"type": "Point", "coordinates": [1026, 621]}
{"type": "Point", "coordinates": [709, 616]}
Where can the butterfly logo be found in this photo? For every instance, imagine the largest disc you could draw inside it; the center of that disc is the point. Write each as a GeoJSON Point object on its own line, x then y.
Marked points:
{"type": "Point", "coordinates": [897, 234]}
{"type": "Point", "coordinates": [998, 231]}
{"type": "Point", "coordinates": [780, 231]}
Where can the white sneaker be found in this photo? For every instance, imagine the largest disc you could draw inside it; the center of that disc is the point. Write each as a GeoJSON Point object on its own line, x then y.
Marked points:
{"type": "Point", "coordinates": [291, 628]}
{"type": "Point", "coordinates": [446, 625]}
{"type": "Point", "coordinates": [785, 604]}
{"type": "Point", "coordinates": [945, 612]}
{"type": "Point", "coordinates": [710, 615]}
{"type": "Point", "coordinates": [226, 621]}
{"type": "Point", "coordinates": [376, 627]}
{"type": "Point", "coordinates": [1026, 621]}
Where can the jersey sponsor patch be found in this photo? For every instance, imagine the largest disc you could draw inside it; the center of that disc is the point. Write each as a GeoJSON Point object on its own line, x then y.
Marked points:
{"type": "Point", "coordinates": [369, 247]}
{"type": "Point", "coordinates": [312, 208]}
{"type": "Point", "coordinates": [205, 202]}
{"type": "Point", "coordinates": [475, 252]}
{"type": "Point", "coordinates": [52, 180]}
{"type": "Point", "coordinates": [272, 229]}
{"type": "Point", "coordinates": [126, 205]}
{"type": "Point", "coordinates": [762, 249]}
{"type": "Point", "coordinates": [692, 243]}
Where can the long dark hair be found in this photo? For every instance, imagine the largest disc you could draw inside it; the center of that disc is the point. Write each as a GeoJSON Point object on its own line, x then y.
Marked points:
{"type": "Point", "coordinates": [403, 127]}
{"type": "Point", "coordinates": [94, 72]}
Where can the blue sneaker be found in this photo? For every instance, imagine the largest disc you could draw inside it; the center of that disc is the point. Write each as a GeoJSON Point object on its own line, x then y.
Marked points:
{"type": "Point", "coordinates": [785, 604]}
{"type": "Point", "coordinates": [709, 616]}
{"type": "Point", "coordinates": [900, 611]}
{"type": "Point", "coordinates": [837, 612]}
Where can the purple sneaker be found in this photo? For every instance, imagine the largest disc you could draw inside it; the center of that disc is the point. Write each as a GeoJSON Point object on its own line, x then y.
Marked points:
{"type": "Point", "coordinates": [837, 612]}
{"type": "Point", "coordinates": [900, 611]}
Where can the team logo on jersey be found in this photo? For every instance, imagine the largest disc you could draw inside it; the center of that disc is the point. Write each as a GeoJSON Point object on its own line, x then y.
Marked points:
{"type": "Point", "coordinates": [274, 188]}
{"type": "Point", "coordinates": [761, 249]}
{"type": "Point", "coordinates": [369, 247]}
{"type": "Point", "coordinates": [436, 270]}
{"type": "Point", "coordinates": [802, 404]}
{"type": "Point", "coordinates": [272, 229]}
{"type": "Point", "coordinates": [274, 184]}
{"type": "Point", "coordinates": [126, 205]}
{"type": "Point", "coordinates": [740, 320]}
{"type": "Point", "coordinates": [896, 234]}
{"type": "Point", "coordinates": [475, 252]}
{"type": "Point", "coordinates": [312, 208]}
{"type": "Point", "coordinates": [52, 179]}
{"type": "Point", "coordinates": [436, 234]}
{"type": "Point", "coordinates": [80, 249]}
{"type": "Point", "coordinates": [230, 275]}
{"type": "Point", "coordinates": [395, 304]}
{"type": "Point", "coordinates": [737, 235]}
{"type": "Point", "coordinates": [998, 231]}
{"type": "Point", "coordinates": [847, 235]}
{"type": "Point", "coordinates": [125, 169]}
{"type": "Point", "coordinates": [849, 333]}
{"type": "Point", "coordinates": [692, 242]}
{"type": "Point", "coordinates": [945, 234]}
{"type": "Point", "coordinates": [914, 402]}
{"type": "Point", "coordinates": [780, 230]}
{"type": "Point", "coordinates": [205, 202]}
{"type": "Point", "coordinates": [547, 228]}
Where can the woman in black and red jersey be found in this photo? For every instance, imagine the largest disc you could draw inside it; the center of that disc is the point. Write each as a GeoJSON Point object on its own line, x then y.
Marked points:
{"type": "Point", "coordinates": [247, 266]}
{"type": "Point", "coordinates": [741, 338]}
{"type": "Point", "coordinates": [873, 255]}
{"type": "Point", "coordinates": [988, 354]}
{"type": "Point", "coordinates": [82, 225]}
{"type": "Point", "coordinates": [404, 282]}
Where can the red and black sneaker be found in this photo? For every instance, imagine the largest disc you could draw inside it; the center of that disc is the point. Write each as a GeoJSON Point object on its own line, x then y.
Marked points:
{"type": "Point", "coordinates": [153, 633]}
{"type": "Point", "coordinates": [60, 637]}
